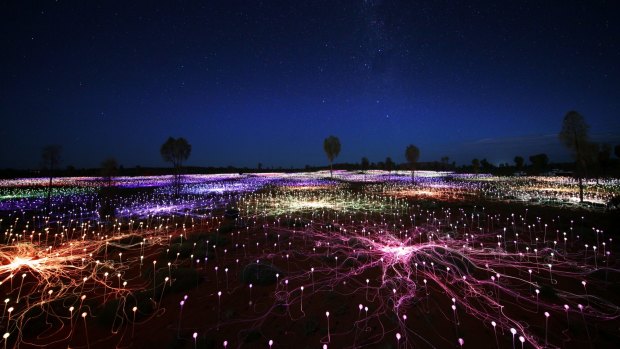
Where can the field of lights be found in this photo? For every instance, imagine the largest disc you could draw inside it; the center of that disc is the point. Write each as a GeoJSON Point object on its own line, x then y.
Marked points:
{"type": "Point", "coordinates": [360, 260]}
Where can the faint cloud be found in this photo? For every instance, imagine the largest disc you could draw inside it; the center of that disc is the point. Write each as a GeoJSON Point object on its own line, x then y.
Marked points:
{"type": "Point", "coordinates": [526, 139]}
{"type": "Point", "coordinates": [503, 149]}
{"type": "Point", "coordinates": [538, 139]}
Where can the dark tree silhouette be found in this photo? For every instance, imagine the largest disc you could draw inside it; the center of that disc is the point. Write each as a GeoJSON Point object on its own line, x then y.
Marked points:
{"type": "Point", "coordinates": [445, 160]}
{"type": "Point", "coordinates": [109, 169]}
{"type": "Point", "coordinates": [617, 151]}
{"type": "Point", "coordinates": [412, 154]}
{"type": "Point", "coordinates": [389, 164]}
{"type": "Point", "coordinates": [519, 162]}
{"type": "Point", "coordinates": [487, 167]}
{"type": "Point", "coordinates": [176, 151]}
{"type": "Point", "coordinates": [364, 163]}
{"type": "Point", "coordinates": [50, 157]}
{"type": "Point", "coordinates": [475, 164]}
{"type": "Point", "coordinates": [539, 162]}
{"type": "Point", "coordinates": [574, 135]}
{"type": "Point", "coordinates": [331, 146]}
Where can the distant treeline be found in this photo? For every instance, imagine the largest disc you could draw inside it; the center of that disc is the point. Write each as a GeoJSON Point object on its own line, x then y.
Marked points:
{"type": "Point", "coordinates": [612, 169]}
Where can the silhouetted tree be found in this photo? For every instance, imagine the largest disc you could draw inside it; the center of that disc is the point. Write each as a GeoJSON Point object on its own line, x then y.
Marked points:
{"type": "Point", "coordinates": [389, 164]}
{"type": "Point", "coordinates": [475, 164]}
{"type": "Point", "coordinates": [50, 157]}
{"type": "Point", "coordinates": [364, 163]}
{"type": "Point", "coordinates": [364, 166]}
{"type": "Point", "coordinates": [574, 135]}
{"type": "Point", "coordinates": [109, 169]}
{"type": "Point", "coordinates": [539, 162]}
{"type": "Point", "coordinates": [617, 151]}
{"type": "Point", "coordinates": [176, 151]}
{"type": "Point", "coordinates": [487, 167]}
{"type": "Point", "coordinates": [519, 162]}
{"type": "Point", "coordinates": [331, 146]}
{"type": "Point", "coordinates": [260, 166]}
{"type": "Point", "coordinates": [412, 154]}
{"type": "Point", "coordinates": [445, 161]}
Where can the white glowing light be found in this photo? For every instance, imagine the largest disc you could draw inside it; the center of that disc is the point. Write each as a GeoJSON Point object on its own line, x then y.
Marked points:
{"type": "Point", "coordinates": [399, 253]}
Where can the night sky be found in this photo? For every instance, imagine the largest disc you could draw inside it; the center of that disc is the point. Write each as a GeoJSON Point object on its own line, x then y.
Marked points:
{"type": "Point", "coordinates": [266, 81]}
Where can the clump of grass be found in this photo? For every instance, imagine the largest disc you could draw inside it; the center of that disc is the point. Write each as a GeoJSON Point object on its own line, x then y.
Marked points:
{"type": "Point", "coordinates": [260, 274]}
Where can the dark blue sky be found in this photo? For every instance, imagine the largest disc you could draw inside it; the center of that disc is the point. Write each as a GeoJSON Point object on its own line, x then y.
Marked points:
{"type": "Point", "coordinates": [266, 81]}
